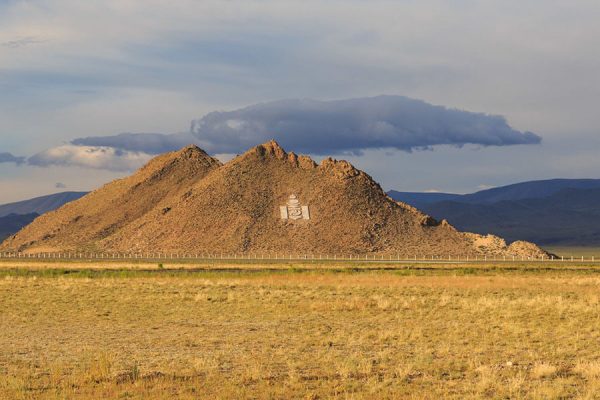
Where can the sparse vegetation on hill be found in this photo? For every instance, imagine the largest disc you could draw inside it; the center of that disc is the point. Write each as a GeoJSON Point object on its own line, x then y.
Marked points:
{"type": "Point", "coordinates": [189, 201]}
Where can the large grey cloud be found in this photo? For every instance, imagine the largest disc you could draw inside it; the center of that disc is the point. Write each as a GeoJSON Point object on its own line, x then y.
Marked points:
{"type": "Point", "coordinates": [353, 125]}
{"type": "Point", "coordinates": [150, 143]}
{"type": "Point", "coordinates": [10, 158]}
{"type": "Point", "coordinates": [307, 126]}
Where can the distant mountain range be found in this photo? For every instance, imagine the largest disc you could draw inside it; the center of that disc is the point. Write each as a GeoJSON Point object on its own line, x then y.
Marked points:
{"type": "Point", "coordinates": [40, 205]}
{"type": "Point", "coordinates": [14, 216]}
{"type": "Point", "coordinates": [12, 223]}
{"type": "Point", "coordinates": [550, 212]}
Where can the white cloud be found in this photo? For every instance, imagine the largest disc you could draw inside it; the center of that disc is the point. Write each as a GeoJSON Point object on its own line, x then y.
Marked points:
{"type": "Point", "coordinates": [483, 186]}
{"type": "Point", "coordinates": [90, 157]}
{"type": "Point", "coordinates": [224, 157]}
{"type": "Point", "coordinates": [150, 143]}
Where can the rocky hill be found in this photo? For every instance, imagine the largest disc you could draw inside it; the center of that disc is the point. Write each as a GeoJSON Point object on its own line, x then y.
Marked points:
{"type": "Point", "coordinates": [265, 200]}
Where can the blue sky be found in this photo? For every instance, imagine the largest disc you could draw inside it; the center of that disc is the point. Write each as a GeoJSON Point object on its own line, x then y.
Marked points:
{"type": "Point", "coordinates": [71, 70]}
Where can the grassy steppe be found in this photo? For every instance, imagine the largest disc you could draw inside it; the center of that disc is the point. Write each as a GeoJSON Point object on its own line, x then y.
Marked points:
{"type": "Point", "coordinates": [297, 333]}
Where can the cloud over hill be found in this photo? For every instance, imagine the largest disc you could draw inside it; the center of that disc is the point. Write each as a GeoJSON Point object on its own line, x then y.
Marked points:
{"type": "Point", "coordinates": [150, 143]}
{"type": "Point", "coordinates": [310, 126]}
{"type": "Point", "coordinates": [97, 157]}
{"type": "Point", "coordinates": [354, 125]}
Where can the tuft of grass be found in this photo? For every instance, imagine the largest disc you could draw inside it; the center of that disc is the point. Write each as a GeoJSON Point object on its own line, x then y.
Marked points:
{"type": "Point", "coordinates": [100, 368]}
{"type": "Point", "coordinates": [543, 370]}
{"type": "Point", "coordinates": [588, 369]}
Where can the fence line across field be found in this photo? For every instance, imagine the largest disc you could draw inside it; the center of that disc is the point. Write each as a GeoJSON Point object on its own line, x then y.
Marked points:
{"type": "Point", "coordinates": [289, 257]}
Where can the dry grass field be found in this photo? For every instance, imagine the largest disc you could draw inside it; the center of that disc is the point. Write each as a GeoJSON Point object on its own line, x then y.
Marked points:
{"type": "Point", "coordinates": [295, 333]}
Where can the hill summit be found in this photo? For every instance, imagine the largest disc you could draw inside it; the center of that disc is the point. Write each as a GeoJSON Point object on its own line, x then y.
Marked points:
{"type": "Point", "coordinates": [265, 200]}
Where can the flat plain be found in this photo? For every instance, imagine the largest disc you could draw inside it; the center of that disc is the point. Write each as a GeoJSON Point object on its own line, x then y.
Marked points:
{"type": "Point", "coordinates": [90, 330]}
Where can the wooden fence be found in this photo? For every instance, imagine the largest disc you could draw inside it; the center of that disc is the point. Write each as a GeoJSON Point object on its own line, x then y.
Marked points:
{"type": "Point", "coordinates": [158, 256]}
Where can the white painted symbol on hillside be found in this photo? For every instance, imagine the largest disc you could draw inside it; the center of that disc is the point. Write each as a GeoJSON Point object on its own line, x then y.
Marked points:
{"type": "Point", "coordinates": [293, 209]}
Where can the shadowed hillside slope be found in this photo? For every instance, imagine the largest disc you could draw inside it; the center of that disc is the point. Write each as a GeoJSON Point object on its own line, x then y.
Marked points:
{"type": "Point", "coordinates": [188, 201]}
{"type": "Point", "coordinates": [82, 223]}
